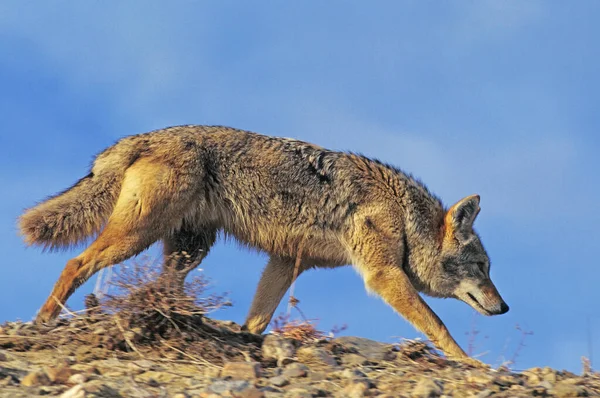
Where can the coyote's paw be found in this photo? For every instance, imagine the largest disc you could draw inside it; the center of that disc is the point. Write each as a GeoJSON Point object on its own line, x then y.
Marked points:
{"type": "Point", "coordinates": [46, 315]}
{"type": "Point", "coordinates": [42, 319]}
{"type": "Point", "coordinates": [472, 362]}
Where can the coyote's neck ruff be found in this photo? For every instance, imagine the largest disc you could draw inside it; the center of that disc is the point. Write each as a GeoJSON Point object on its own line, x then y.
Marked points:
{"type": "Point", "coordinates": [183, 185]}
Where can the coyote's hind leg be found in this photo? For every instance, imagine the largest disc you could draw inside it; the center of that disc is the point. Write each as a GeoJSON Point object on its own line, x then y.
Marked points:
{"type": "Point", "coordinates": [274, 282]}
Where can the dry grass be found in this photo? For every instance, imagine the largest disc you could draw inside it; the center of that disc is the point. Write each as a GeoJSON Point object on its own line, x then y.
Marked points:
{"type": "Point", "coordinates": [157, 301]}
{"type": "Point", "coordinates": [150, 313]}
{"type": "Point", "coordinates": [302, 330]}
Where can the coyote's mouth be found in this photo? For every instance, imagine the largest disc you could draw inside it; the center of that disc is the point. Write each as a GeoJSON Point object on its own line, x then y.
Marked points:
{"type": "Point", "coordinates": [477, 305]}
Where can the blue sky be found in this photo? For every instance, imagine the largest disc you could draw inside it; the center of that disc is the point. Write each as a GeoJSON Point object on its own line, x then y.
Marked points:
{"type": "Point", "coordinates": [496, 98]}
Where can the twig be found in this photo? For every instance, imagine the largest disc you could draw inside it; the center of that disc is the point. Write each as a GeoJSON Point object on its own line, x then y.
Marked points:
{"type": "Point", "coordinates": [4, 336]}
{"type": "Point", "coordinates": [293, 300]}
{"type": "Point", "coordinates": [197, 360]}
{"type": "Point", "coordinates": [63, 307]}
{"type": "Point", "coordinates": [127, 339]}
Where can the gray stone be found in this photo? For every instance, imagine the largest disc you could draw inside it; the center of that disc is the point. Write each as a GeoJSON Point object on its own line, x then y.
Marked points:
{"type": "Point", "coordinates": [298, 393]}
{"type": "Point", "coordinates": [372, 350]}
{"type": "Point", "coordinates": [222, 386]}
{"type": "Point", "coordinates": [485, 393]}
{"type": "Point", "coordinates": [278, 348]}
{"type": "Point", "coordinates": [354, 360]}
{"type": "Point", "coordinates": [241, 370]}
{"type": "Point", "coordinates": [353, 390]}
{"type": "Point", "coordinates": [295, 370]}
{"type": "Point", "coordinates": [315, 356]}
{"type": "Point", "coordinates": [427, 388]}
{"type": "Point", "coordinates": [351, 373]}
{"type": "Point", "coordinates": [279, 381]}
{"type": "Point", "coordinates": [36, 378]}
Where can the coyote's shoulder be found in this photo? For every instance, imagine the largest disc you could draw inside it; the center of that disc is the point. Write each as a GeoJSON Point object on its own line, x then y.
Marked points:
{"type": "Point", "coordinates": [183, 185]}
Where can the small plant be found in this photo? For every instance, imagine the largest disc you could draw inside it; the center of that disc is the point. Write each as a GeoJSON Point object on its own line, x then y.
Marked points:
{"type": "Point", "coordinates": [508, 363]}
{"type": "Point", "coordinates": [157, 300]}
{"type": "Point", "coordinates": [303, 330]}
{"type": "Point", "coordinates": [587, 366]}
{"type": "Point", "coordinates": [472, 336]}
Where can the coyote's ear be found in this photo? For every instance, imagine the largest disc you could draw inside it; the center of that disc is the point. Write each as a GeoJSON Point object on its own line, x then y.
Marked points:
{"type": "Point", "coordinates": [460, 217]}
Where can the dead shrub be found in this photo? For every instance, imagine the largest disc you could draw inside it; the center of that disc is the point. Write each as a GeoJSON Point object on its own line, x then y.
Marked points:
{"type": "Point", "coordinates": [156, 301]}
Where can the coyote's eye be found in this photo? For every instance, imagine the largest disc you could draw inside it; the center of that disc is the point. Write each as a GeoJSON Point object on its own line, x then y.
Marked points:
{"type": "Point", "coordinates": [481, 266]}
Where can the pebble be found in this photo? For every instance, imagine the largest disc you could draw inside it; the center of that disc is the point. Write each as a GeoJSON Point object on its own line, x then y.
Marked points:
{"type": "Point", "coordinates": [427, 388]}
{"type": "Point", "coordinates": [353, 390]}
{"type": "Point", "coordinates": [278, 348]}
{"type": "Point", "coordinates": [77, 378]}
{"type": "Point", "coordinates": [345, 367]}
{"type": "Point", "coordinates": [241, 370]}
{"type": "Point", "coordinates": [59, 374]}
{"type": "Point", "coordinates": [279, 381]}
{"type": "Point", "coordinates": [315, 356]}
{"type": "Point", "coordinates": [74, 392]}
{"type": "Point", "coordinates": [35, 378]}
{"type": "Point", "coordinates": [295, 370]}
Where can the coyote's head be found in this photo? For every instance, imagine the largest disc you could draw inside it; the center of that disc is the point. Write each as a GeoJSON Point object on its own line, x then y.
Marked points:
{"type": "Point", "coordinates": [464, 269]}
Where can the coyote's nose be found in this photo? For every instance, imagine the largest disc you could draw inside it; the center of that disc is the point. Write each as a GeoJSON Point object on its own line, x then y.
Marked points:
{"type": "Point", "coordinates": [503, 308]}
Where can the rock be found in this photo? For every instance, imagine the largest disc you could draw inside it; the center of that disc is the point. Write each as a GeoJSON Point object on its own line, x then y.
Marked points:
{"type": "Point", "coordinates": [568, 390]}
{"type": "Point", "coordinates": [351, 374]}
{"type": "Point", "coordinates": [315, 356]}
{"type": "Point", "coordinates": [152, 382]}
{"type": "Point", "coordinates": [135, 369]}
{"type": "Point", "coordinates": [311, 373]}
{"type": "Point", "coordinates": [222, 386]}
{"type": "Point", "coordinates": [250, 392]}
{"type": "Point", "coordinates": [59, 374]}
{"type": "Point", "coordinates": [353, 390]}
{"type": "Point", "coordinates": [427, 388]}
{"type": "Point", "coordinates": [317, 376]}
{"type": "Point", "coordinates": [235, 388]}
{"type": "Point", "coordinates": [74, 392]}
{"type": "Point", "coordinates": [507, 380]}
{"type": "Point", "coordinates": [549, 375]}
{"type": "Point", "coordinates": [485, 393]}
{"type": "Point", "coordinates": [241, 370]}
{"type": "Point", "coordinates": [3, 357]}
{"type": "Point", "coordinates": [279, 381]}
{"type": "Point", "coordinates": [295, 370]}
{"type": "Point", "coordinates": [146, 364]}
{"type": "Point", "coordinates": [533, 379]}
{"type": "Point", "coordinates": [77, 378]}
{"type": "Point", "coordinates": [354, 360]}
{"type": "Point", "coordinates": [154, 377]}
{"type": "Point", "coordinates": [278, 348]}
{"type": "Point", "coordinates": [478, 378]}
{"type": "Point", "coordinates": [372, 350]}
{"type": "Point", "coordinates": [14, 375]}
{"type": "Point", "coordinates": [36, 378]}
{"type": "Point", "coordinates": [298, 393]}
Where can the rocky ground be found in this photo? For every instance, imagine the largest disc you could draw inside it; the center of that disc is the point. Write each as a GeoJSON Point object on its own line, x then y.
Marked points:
{"type": "Point", "coordinates": [99, 355]}
{"type": "Point", "coordinates": [152, 339]}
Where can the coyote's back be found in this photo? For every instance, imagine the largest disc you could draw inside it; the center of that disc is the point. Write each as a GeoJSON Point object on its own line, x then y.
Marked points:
{"type": "Point", "coordinates": [183, 185]}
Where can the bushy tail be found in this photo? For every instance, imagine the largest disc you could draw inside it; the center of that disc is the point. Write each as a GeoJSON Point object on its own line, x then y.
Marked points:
{"type": "Point", "coordinates": [80, 211]}
{"type": "Point", "coordinates": [73, 215]}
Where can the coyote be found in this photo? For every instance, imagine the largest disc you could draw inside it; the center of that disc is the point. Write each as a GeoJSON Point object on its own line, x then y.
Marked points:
{"type": "Point", "coordinates": [186, 184]}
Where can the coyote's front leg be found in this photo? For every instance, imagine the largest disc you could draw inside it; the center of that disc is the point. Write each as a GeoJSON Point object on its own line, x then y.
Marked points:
{"type": "Point", "coordinates": [379, 264]}
{"type": "Point", "coordinates": [392, 284]}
